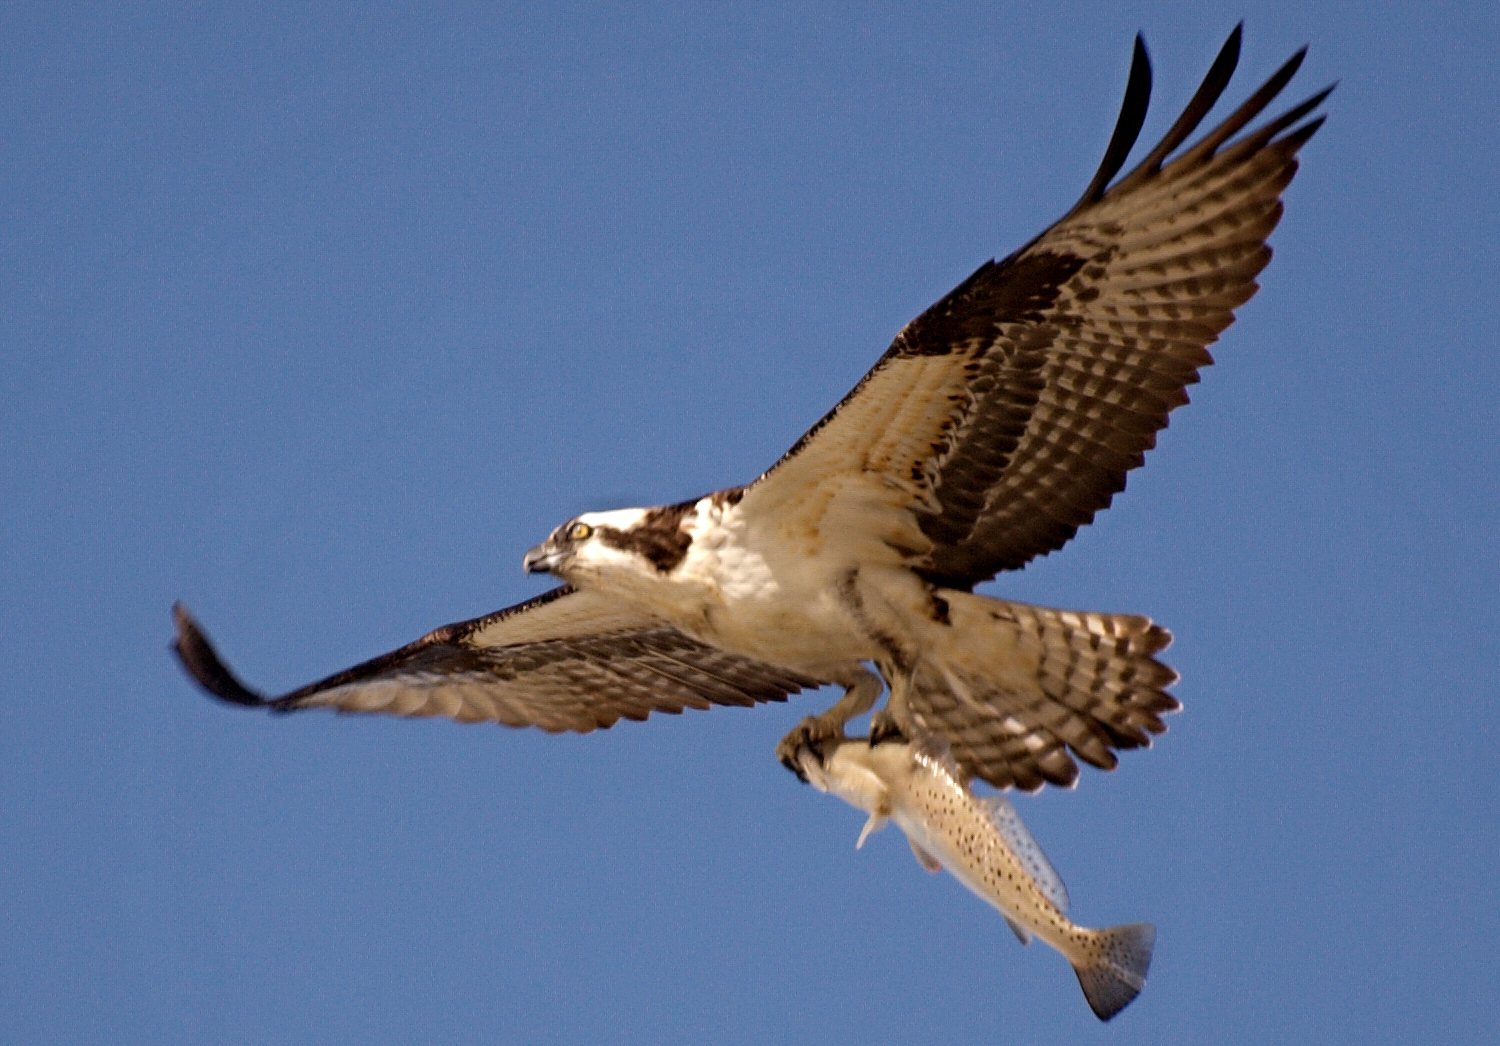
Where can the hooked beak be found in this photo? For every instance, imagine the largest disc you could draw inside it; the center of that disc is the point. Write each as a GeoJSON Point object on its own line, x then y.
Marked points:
{"type": "Point", "coordinates": [544, 559]}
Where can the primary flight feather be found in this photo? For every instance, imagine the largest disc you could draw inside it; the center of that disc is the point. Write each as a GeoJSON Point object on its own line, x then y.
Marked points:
{"type": "Point", "coordinates": [997, 423]}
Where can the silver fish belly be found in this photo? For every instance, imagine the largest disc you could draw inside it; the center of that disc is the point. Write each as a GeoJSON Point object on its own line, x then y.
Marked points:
{"type": "Point", "coordinates": [983, 842]}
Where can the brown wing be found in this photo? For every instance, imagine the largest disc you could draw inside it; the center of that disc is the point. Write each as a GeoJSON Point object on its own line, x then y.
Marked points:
{"type": "Point", "coordinates": [566, 660]}
{"type": "Point", "coordinates": [1005, 416]}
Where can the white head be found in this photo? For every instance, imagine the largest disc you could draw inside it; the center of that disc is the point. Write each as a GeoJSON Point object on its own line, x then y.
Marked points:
{"type": "Point", "coordinates": [628, 544]}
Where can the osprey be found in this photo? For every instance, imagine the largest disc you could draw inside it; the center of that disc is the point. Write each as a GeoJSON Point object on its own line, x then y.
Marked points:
{"type": "Point", "coordinates": [997, 423]}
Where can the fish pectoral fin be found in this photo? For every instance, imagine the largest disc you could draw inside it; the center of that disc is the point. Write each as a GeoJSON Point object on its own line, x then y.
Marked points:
{"type": "Point", "coordinates": [925, 859]}
{"type": "Point", "coordinates": [1022, 934]}
{"type": "Point", "coordinates": [873, 825]}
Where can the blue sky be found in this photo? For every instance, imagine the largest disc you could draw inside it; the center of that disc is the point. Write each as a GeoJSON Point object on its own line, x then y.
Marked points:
{"type": "Point", "coordinates": [319, 320]}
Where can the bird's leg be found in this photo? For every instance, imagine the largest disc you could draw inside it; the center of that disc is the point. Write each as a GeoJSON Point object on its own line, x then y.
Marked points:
{"type": "Point", "coordinates": [861, 690]}
{"type": "Point", "coordinates": [885, 725]}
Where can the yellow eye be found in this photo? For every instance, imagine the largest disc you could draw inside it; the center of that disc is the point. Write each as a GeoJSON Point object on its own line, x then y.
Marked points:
{"type": "Point", "coordinates": [580, 532]}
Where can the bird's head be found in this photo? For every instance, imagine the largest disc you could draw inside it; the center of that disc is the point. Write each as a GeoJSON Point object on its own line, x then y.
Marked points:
{"type": "Point", "coordinates": [625, 543]}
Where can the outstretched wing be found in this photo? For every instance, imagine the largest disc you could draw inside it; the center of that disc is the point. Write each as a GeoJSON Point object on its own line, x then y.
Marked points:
{"type": "Point", "coordinates": [566, 660]}
{"type": "Point", "coordinates": [1005, 416]}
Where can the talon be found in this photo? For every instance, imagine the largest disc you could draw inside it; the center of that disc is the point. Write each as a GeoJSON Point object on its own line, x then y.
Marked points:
{"type": "Point", "coordinates": [811, 734]}
{"type": "Point", "coordinates": [883, 727]}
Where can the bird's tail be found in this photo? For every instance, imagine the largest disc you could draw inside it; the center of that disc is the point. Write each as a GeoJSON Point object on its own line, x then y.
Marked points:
{"type": "Point", "coordinates": [1116, 970]}
{"type": "Point", "coordinates": [1017, 690]}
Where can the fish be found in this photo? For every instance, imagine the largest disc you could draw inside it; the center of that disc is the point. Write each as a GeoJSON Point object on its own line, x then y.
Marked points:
{"type": "Point", "coordinates": [982, 841]}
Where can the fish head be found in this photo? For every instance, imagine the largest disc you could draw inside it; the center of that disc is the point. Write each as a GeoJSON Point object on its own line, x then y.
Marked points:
{"type": "Point", "coordinates": [850, 769]}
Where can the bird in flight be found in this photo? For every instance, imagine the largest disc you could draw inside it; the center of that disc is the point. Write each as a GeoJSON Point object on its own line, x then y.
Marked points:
{"type": "Point", "coordinates": [998, 422]}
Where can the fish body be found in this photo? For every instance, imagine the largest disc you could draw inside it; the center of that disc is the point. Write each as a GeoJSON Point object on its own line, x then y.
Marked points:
{"type": "Point", "coordinates": [983, 843]}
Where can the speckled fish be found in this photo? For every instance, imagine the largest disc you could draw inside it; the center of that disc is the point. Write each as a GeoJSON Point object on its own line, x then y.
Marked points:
{"type": "Point", "coordinates": [982, 841]}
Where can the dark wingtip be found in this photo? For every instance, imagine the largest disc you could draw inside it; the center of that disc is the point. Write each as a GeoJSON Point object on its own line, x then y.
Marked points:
{"type": "Point", "coordinates": [1230, 52]}
{"type": "Point", "coordinates": [1127, 127]}
{"type": "Point", "coordinates": [202, 662]}
{"type": "Point", "coordinates": [1204, 99]}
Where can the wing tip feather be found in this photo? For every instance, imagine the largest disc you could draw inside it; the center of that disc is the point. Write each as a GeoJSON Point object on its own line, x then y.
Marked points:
{"type": "Point", "coordinates": [1133, 111]}
{"type": "Point", "coordinates": [202, 663]}
{"type": "Point", "coordinates": [1127, 126]}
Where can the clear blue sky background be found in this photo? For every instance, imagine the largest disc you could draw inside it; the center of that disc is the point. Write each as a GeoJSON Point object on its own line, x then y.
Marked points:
{"type": "Point", "coordinates": [317, 321]}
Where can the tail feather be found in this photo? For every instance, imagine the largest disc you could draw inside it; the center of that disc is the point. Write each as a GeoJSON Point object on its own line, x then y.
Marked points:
{"type": "Point", "coordinates": [1119, 973]}
{"type": "Point", "coordinates": [1022, 690]}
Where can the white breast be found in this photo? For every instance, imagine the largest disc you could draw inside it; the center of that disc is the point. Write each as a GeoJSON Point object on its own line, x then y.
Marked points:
{"type": "Point", "coordinates": [769, 603]}
{"type": "Point", "coordinates": [719, 556]}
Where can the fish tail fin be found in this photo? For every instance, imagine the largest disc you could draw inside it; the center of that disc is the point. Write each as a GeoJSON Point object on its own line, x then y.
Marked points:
{"type": "Point", "coordinates": [1117, 972]}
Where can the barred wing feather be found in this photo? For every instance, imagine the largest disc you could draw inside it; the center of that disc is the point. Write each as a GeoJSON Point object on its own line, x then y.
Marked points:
{"type": "Point", "coordinates": [566, 660]}
{"type": "Point", "coordinates": [1006, 415]}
